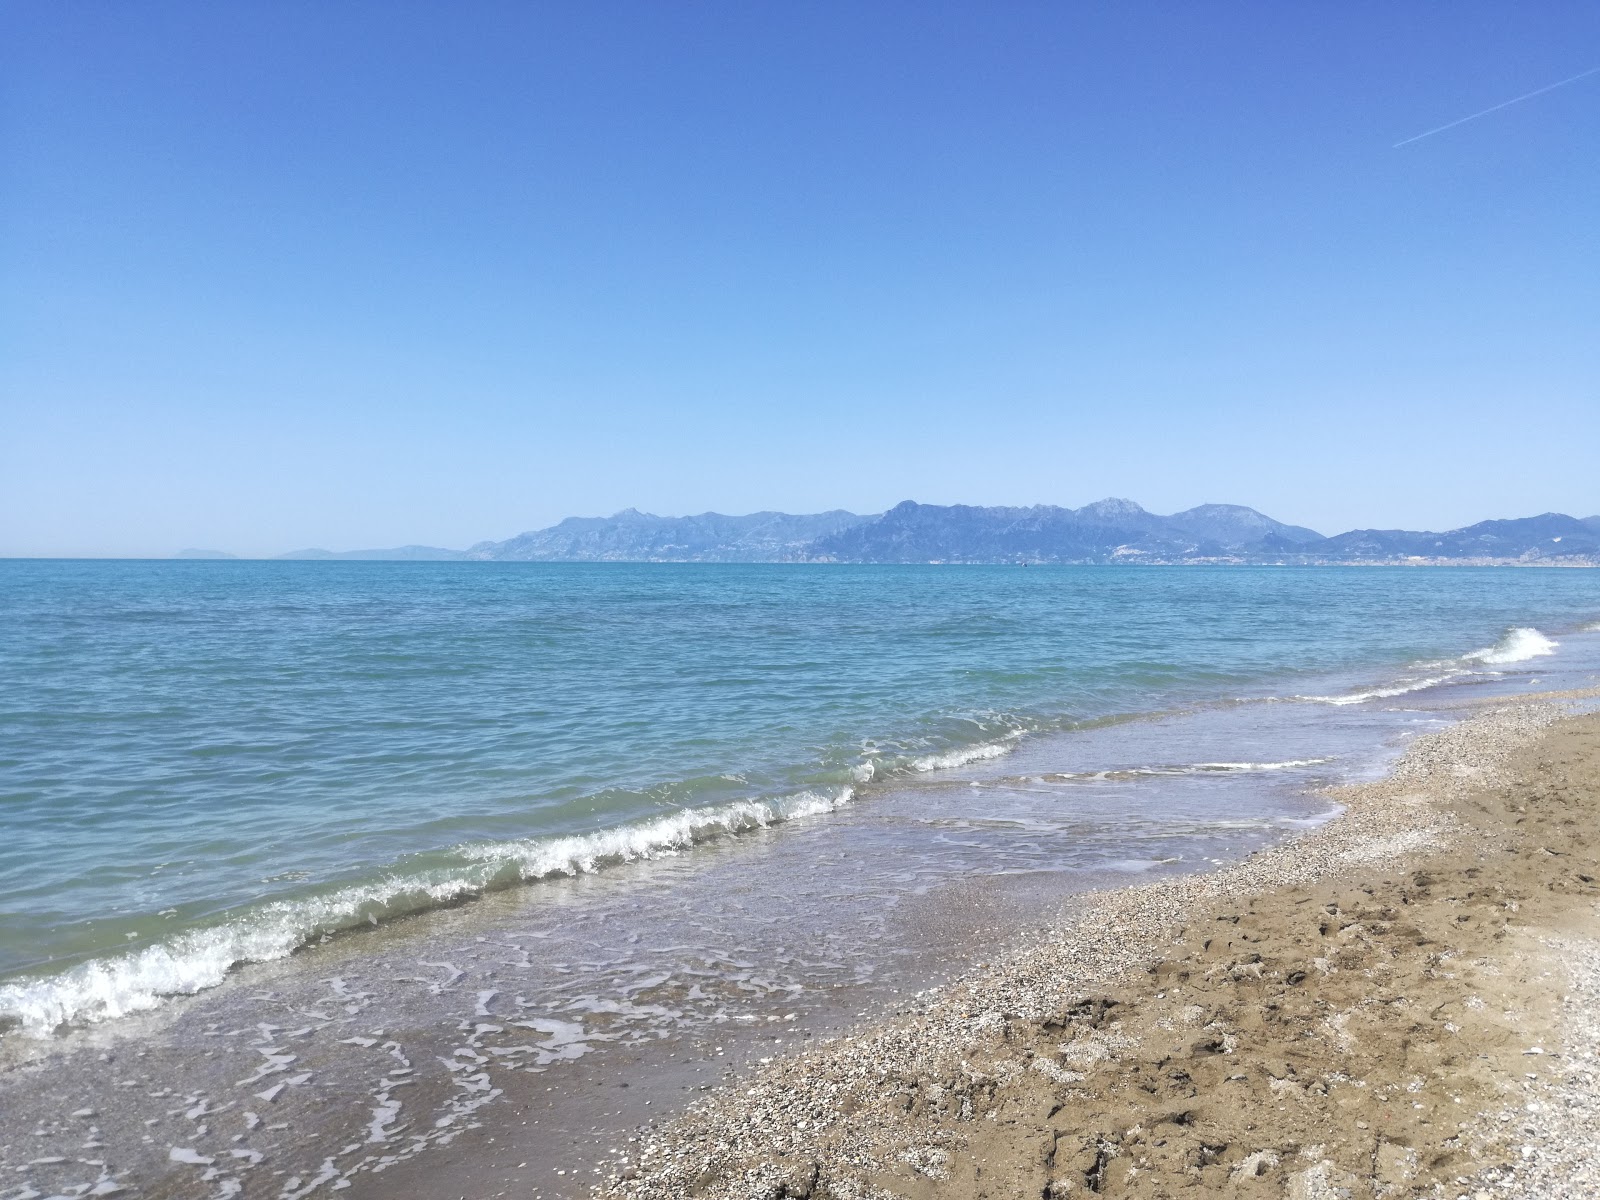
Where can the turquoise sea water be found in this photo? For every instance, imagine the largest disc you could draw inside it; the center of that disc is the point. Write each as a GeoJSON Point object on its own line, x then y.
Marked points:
{"type": "Point", "coordinates": [208, 763]}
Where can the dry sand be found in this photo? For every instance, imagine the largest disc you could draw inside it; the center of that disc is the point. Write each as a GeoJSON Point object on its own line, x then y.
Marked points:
{"type": "Point", "coordinates": [1403, 1002]}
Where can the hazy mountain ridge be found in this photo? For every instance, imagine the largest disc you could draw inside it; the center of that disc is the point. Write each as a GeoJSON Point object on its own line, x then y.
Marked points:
{"type": "Point", "coordinates": [1549, 535]}
{"type": "Point", "coordinates": [1107, 531]}
{"type": "Point", "coordinates": [1121, 531]}
{"type": "Point", "coordinates": [633, 536]}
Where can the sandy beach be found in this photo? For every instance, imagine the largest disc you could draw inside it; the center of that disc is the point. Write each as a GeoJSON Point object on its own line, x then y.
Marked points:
{"type": "Point", "coordinates": [1398, 1003]}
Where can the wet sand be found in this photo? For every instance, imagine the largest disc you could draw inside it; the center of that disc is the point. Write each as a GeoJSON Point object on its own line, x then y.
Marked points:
{"type": "Point", "coordinates": [1398, 1003]}
{"type": "Point", "coordinates": [510, 1045]}
{"type": "Point", "coordinates": [551, 1140]}
{"type": "Point", "coordinates": [518, 1045]}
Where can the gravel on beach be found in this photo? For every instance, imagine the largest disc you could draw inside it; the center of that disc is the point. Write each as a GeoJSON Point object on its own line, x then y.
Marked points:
{"type": "Point", "coordinates": [1400, 1002]}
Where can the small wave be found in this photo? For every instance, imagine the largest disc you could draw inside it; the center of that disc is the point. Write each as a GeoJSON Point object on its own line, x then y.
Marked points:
{"type": "Point", "coordinates": [1518, 645]}
{"type": "Point", "coordinates": [540, 858]}
{"type": "Point", "coordinates": [1288, 765]}
{"type": "Point", "coordinates": [1314, 820]}
{"type": "Point", "coordinates": [104, 989]}
{"type": "Point", "coordinates": [949, 759]}
{"type": "Point", "coordinates": [1216, 768]}
{"type": "Point", "coordinates": [1399, 689]}
{"type": "Point", "coordinates": [1139, 866]}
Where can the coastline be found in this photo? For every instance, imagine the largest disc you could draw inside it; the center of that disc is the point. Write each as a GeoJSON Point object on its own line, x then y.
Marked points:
{"type": "Point", "coordinates": [1375, 1005]}
{"type": "Point", "coordinates": [512, 1045]}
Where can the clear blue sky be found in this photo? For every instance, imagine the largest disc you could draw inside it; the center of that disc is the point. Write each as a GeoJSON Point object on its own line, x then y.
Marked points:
{"type": "Point", "coordinates": [363, 273]}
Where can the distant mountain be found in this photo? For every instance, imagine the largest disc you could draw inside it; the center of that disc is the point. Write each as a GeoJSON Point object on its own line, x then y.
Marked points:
{"type": "Point", "coordinates": [633, 536]}
{"type": "Point", "coordinates": [1551, 536]}
{"type": "Point", "coordinates": [1106, 531]}
{"type": "Point", "coordinates": [1236, 525]}
{"type": "Point", "coordinates": [204, 554]}
{"type": "Point", "coordinates": [398, 554]}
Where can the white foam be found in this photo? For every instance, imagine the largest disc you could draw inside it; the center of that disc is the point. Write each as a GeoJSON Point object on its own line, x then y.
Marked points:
{"type": "Point", "coordinates": [949, 759]}
{"type": "Point", "coordinates": [1313, 821]}
{"type": "Point", "coordinates": [1518, 645]}
{"type": "Point", "coordinates": [1207, 768]}
{"type": "Point", "coordinates": [540, 858]}
{"type": "Point", "coordinates": [1137, 866]}
{"type": "Point", "coordinates": [104, 989]}
{"type": "Point", "coordinates": [1399, 689]}
{"type": "Point", "coordinates": [1287, 765]}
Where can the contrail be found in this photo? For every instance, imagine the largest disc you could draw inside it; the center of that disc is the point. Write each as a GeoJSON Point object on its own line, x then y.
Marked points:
{"type": "Point", "coordinates": [1503, 104]}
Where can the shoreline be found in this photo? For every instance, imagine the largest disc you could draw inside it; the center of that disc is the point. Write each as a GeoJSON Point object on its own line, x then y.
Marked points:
{"type": "Point", "coordinates": [419, 1023]}
{"type": "Point", "coordinates": [117, 972]}
{"type": "Point", "coordinates": [1134, 1051]}
{"type": "Point", "coordinates": [137, 961]}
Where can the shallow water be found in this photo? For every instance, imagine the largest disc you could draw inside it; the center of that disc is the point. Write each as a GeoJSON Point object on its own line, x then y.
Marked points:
{"type": "Point", "coordinates": [442, 1031]}
{"type": "Point", "coordinates": [214, 763]}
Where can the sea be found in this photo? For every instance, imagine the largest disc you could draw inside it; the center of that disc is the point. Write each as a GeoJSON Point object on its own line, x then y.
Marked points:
{"type": "Point", "coordinates": [313, 874]}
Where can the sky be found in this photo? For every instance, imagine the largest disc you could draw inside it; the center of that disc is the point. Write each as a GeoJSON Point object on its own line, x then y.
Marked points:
{"type": "Point", "coordinates": [353, 275]}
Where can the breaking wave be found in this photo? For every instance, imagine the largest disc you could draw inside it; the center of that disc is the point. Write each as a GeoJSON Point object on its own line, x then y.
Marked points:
{"type": "Point", "coordinates": [540, 858]}
{"type": "Point", "coordinates": [949, 759]}
{"type": "Point", "coordinates": [114, 986]}
{"type": "Point", "coordinates": [1399, 689]}
{"type": "Point", "coordinates": [1518, 645]}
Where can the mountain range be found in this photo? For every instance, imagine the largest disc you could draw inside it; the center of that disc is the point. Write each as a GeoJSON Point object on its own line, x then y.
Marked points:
{"type": "Point", "coordinates": [632, 536]}
{"type": "Point", "coordinates": [1108, 531]}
